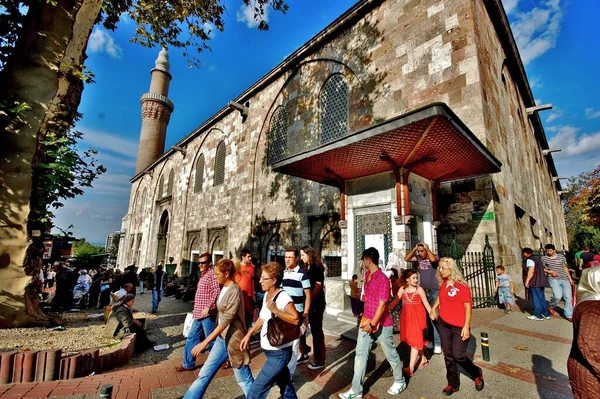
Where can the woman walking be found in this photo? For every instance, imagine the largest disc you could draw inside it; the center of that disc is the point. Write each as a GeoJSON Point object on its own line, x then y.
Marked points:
{"type": "Point", "coordinates": [276, 302]}
{"type": "Point", "coordinates": [454, 325]}
{"type": "Point", "coordinates": [316, 274]}
{"type": "Point", "coordinates": [227, 336]}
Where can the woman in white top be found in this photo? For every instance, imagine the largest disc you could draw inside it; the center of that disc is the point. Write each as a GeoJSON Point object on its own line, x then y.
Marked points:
{"type": "Point", "coordinates": [275, 368]}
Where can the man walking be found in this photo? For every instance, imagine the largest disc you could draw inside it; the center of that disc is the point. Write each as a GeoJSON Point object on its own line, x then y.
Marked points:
{"type": "Point", "coordinates": [427, 265]}
{"type": "Point", "coordinates": [560, 280]}
{"type": "Point", "coordinates": [157, 282]}
{"type": "Point", "coordinates": [536, 281]}
{"type": "Point", "coordinates": [376, 324]}
{"type": "Point", "coordinates": [585, 258]}
{"type": "Point", "coordinates": [205, 311]}
{"type": "Point", "coordinates": [297, 284]}
{"type": "Point", "coordinates": [246, 283]}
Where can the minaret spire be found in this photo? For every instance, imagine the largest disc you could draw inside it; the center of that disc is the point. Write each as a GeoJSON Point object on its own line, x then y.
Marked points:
{"type": "Point", "coordinates": [156, 113]}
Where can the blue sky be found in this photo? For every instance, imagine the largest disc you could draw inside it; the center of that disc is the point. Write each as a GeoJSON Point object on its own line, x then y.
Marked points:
{"type": "Point", "coordinates": [558, 40]}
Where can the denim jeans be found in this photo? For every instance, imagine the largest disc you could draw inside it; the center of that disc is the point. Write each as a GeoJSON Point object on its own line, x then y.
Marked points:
{"type": "Point", "coordinates": [218, 355]}
{"type": "Point", "coordinates": [561, 289]}
{"type": "Point", "coordinates": [540, 306]}
{"type": "Point", "coordinates": [432, 295]}
{"type": "Point", "coordinates": [199, 331]}
{"type": "Point", "coordinates": [142, 286]}
{"type": "Point", "coordinates": [275, 370]}
{"type": "Point", "coordinates": [156, 298]}
{"type": "Point", "coordinates": [364, 343]}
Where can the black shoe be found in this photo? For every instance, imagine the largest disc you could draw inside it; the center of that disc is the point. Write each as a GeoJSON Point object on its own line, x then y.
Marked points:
{"type": "Point", "coordinates": [449, 390]}
{"type": "Point", "coordinates": [303, 358]}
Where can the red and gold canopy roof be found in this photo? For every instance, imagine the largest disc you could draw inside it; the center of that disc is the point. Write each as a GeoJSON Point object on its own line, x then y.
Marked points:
{"type": "Point", "coordinates": [431, 142]}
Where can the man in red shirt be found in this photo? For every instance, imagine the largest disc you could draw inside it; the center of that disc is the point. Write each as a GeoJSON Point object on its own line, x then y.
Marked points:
{"type": "Point", "coordinates": [246, 283]}
{"type": "Point", "coordinates": [376, 324]}
{"type": "Point", "coordinates": [205, 311]}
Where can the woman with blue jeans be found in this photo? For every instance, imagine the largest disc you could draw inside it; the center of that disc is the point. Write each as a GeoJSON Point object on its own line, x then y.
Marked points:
{"type": "Point", "coordinates": [227, 336]}
{"type": "Point", "coordinates": [279, 303]}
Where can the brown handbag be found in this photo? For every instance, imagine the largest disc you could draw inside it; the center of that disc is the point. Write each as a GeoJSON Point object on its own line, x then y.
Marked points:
{"type": "Point", "coordinates": [279, 331]}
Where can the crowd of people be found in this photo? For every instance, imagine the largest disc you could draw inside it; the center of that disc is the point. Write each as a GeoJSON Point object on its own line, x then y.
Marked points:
{"type": "Point", "coordinates": [430, 305]}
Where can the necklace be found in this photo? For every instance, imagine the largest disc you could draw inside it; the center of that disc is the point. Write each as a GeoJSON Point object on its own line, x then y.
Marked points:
{"type": "Point", "coordinates": [411, 296]}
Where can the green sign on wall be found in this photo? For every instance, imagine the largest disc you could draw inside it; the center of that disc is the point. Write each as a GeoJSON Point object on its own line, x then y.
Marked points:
{"type": "Point", "coordinates": [479, 216]}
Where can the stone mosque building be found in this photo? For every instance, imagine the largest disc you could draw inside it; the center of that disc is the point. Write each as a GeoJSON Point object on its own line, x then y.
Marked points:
{"type": "Point", "coordinates": [403, 121]}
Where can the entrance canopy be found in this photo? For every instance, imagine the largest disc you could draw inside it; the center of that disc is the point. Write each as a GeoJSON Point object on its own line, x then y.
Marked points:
{"type": "Point", "coordinates": [431, 142]}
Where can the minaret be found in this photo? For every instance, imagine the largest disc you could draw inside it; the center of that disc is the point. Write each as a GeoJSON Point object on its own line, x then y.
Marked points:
{"type": "Point", "coordinates": [156, 112]}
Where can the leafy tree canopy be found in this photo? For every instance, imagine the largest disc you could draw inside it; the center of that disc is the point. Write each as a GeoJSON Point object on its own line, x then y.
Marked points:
{"type": "Point", "coordinates": [582, 210]}
{"type": "Point", "coordinates": [82, 248]}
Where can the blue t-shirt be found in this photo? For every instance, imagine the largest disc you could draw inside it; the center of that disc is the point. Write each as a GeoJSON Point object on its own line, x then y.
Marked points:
{"type": "Point", "coordinates": [503, 280]}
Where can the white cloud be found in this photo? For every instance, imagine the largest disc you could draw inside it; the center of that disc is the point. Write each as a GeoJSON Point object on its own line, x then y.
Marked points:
{"type": "Point", "coordinates": [553, 116]}
{"type": "Point", "coordinates": [102, 217]}
{"type": "Point", "coordinates": [537, 30]}
{"type": "Point", "coordinates": [510, 5]}
{"type": "Point", "coordinates": [102, 42]}
{"type": "Point", "coordinates": [580, 152]}
{"type": "Point", "coordinates": [591, 113]}
{"type": "Point", "coordinates": [245, 14]}
{"type": "Point", "coordinates": [106, 141]}
{"type": "Point", "coordinates": [210, 29]}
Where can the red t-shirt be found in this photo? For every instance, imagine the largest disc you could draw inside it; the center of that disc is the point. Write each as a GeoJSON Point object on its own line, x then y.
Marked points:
{"type": "Point", "coordinates": [452, 297]}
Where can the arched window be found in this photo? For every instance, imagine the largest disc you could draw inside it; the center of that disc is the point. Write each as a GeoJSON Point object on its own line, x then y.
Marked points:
{"type": "Point", "coordinates": [199, 178]}
{"type": "Point", "coordinates": [161, 183]}
{"type": "Point", "coordinates": [220, 164]}
{"type": "Point", "coordinates": [334, 109]}
{"type": "Point", "coordinates": [170, 182]}
{"type": "Point", "coordinates": [278, 135]}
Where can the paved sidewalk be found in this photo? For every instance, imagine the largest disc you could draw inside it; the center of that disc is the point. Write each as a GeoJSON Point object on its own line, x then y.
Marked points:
{"type": "Point", "coordinates": [528, 361]}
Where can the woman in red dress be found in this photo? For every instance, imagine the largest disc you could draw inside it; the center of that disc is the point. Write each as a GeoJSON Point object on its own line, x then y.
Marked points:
{"type": "Point", "coordinates": [413, 320]}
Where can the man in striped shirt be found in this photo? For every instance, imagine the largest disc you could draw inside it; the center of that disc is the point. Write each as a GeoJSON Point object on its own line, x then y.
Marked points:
{"type": "Point", "coordinates": [560, 280]}
{"type": "Point", "coordinates": [297, 284]}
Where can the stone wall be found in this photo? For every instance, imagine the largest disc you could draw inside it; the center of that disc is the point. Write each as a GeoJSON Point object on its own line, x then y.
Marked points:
{"type": "Point", "coordinates": [400, 56]}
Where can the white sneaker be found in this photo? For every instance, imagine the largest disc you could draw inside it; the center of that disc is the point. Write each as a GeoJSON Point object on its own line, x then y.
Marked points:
{"type": "Point", "coordinates": [429, 345]}
{"type": "Point", "coordinates": [437, 349]}
{"type": "Point", "coordinates": [349, 394]}
{"type": "Point", "coordinates": [534, 317]}
{"type": "Point", "coordinates": [396, 388]}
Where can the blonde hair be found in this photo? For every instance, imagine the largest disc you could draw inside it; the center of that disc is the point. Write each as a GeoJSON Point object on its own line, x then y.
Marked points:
{"type": "Point", "coordinates": [456, 275]}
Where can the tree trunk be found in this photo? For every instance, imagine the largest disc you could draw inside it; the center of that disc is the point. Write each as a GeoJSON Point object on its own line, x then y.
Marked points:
{"type": "Point", "coordinates": [41, 73]}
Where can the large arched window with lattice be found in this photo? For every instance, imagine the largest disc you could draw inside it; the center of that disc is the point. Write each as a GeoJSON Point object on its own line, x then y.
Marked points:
{"type": "Point", "coordinates": [170, 182]}
{"type": "Point", "coordinates": [199, 176]}
{"type": "Point", "coordinates": [161, 183]}
{"type": "Point", "coordinates": [334, 109]}
{"type": "Point", "coordinates": [220, 164]}
{"type": "Point", "coordinates": [278, 135]}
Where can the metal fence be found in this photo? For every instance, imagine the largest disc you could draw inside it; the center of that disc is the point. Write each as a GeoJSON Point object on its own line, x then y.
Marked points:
{"type": "Point", "coordinates": [479, 271]}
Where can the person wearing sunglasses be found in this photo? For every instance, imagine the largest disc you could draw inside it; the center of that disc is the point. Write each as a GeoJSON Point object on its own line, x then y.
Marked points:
{"type": "Point", "coordinates": [204, 313]}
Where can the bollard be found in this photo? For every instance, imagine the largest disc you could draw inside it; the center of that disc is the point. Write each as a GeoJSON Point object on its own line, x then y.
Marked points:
{"type": "Point", "coordinates": [106, 391]}
{"type": "Point", "coordinates": [485, 347]}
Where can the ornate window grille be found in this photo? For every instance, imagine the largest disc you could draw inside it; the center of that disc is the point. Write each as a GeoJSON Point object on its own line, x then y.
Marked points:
{"type": "Point", "coordinates": [161, 183]}
{"type": "Point", "coordinates": [199, 178]}
{"type": "Point", "coordinates": [278, 135]}
{"type": "Point", "coordinates": [220, 164]}
{"type": "Point", "coordinates": [170, 182]}
{"type": "Point", "coordinates": [334, 109]}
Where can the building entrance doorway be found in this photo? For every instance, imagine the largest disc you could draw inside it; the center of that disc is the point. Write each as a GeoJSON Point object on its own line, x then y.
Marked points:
{"type": "Point", "coordinates": [163, 233]}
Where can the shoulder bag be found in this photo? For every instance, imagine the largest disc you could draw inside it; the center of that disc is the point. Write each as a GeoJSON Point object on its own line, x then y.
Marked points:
{"type": "Point", "coordinates": [279, 331]}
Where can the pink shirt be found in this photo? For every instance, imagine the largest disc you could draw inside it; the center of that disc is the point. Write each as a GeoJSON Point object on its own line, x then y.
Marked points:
{"type": "Point", "coordinates": [206, 294]}
{"type": "Point", "coordinates": [377, 289]}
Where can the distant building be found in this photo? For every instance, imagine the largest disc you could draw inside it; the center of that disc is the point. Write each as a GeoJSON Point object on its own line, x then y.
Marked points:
{"type": "Point", "coordinates": [112, 246]}
{"type": "Point", "coordinates": [398, 123]}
